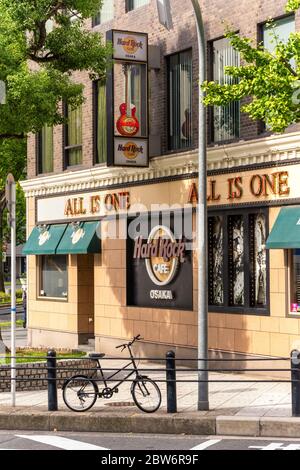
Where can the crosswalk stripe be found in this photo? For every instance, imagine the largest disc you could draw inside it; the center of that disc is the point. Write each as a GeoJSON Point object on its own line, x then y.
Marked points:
{"type": "Point", "coordinates": [62, 442]}
{"type": "Point", "coordinates": [206, 444]}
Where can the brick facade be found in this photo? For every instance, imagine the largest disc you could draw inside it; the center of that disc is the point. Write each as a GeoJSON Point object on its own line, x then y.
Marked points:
{"type": "Point", "coordinates": [182, 36]}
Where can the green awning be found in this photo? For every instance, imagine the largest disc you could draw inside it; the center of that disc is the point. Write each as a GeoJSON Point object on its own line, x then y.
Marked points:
{"type": "Point", "coordinates": [82, 238]}
{"type": "Point", "coordinates": [286, 230]}
{"type": "Point", "coordinates": [44, 240]}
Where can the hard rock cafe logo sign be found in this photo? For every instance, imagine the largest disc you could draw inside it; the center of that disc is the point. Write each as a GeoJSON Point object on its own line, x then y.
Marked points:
{"type": "Point", "coordinates": [130, 44]}
{"type": "Point", "coordinates": [130, 150]}
{"type": "Point", "coordinates": [77, 235]}
{"type": "Point", "coordinates": [162, 255]}
{"type": "Point", "coordinates": [44, 237]}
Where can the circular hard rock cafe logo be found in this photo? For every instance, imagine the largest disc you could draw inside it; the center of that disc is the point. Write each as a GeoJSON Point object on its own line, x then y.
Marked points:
{"type": "Point", "coordinates": [161, 270]}
{"type": "Point", "coordinates": [77, 235]}
{"type": "Point", "coordinates": [131, 150]}
{"type": "Point", "coordinates": [44, 237]}
{"type": "Point", "coordinates": [130, 45]}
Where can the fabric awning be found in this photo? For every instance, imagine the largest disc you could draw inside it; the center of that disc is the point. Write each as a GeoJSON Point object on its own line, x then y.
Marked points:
{"type": "Point", "coordinates": [44, 240]}
{"type": "Point", "coordinates": [82, 238]}
{"type": "Point", "coordinates": [286, 230]}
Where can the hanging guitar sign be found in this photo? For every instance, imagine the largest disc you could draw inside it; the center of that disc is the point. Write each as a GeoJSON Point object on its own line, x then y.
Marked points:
{"type": "Point", "coordinates": [127, 100]}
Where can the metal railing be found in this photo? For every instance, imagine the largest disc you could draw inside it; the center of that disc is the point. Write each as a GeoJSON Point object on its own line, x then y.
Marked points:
{"type": "Point", "coordinates": [170, 370]}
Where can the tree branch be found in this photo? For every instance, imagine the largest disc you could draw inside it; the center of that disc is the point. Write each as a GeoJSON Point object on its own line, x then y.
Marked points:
{"type": "Point", "coordinates": [12, 136]}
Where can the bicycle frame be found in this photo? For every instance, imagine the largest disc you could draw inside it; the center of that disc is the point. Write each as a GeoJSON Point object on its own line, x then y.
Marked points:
{"type": "Point", "coordinates": [107, 379]}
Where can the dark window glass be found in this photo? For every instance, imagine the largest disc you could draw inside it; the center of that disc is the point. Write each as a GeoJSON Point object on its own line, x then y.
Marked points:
{"type": "Point", "coordinates": [226, 119]}
{"type": "Point", "coordinates": [238, 261]}
{"type": "Point", "coordinates": [54, 277]}
{"type": "Point", "coordinates": [216, 260]}
{"type": "Point", "coordinates": [180, 100]}
{"type": "Point", "coordinates": [73, 136]}
{"type": "Point", "coordinates": [45, 150]}
{"type": "Point", "coordinates": [101, 123]}
{"type": "Point", "coordinates": [295, 281]}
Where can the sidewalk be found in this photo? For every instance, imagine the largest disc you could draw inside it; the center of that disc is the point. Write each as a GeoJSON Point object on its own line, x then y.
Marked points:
{"type": "Point", "coordinates": [235, 408]}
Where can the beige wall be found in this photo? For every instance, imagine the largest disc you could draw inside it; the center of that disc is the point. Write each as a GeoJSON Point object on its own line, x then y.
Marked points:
{"type": "Point", "coordinates": [104, 288]}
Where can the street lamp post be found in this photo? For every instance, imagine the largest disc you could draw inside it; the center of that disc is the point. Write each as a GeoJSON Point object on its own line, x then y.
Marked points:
{"type": "Point", "coordinates": [10, 193]}
{"type": "Point", "coordinates": [203, 401]}
{"type": "Point", "coordinates": [165, 19]}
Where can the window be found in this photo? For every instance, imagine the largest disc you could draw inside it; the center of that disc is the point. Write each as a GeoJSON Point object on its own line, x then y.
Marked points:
{"type": "Point", "coordinates": [278, 31]}
{"type": "Point", "coordinates": [100, 122]}
{"type": "Point", "coordinates": [73, 137]}
{"type": "Point", "coordinates": [294, 262]}
{"type": "Point", "coordinates": [53, 276]}
{"type": "Point", "coordinates": [133, 4]}
{"type": "Point", "coordinates": [180, 100]}
{"type": "Point", "coordinates": [45, 150]}
{"type": "Point", "coordinates": [238, 261]}
{"type": "Point", "coordinates": [226, 119]}
{"type": "Point", "coordinates": [272, 34]}
{"type": "Point", "coordinates": [105, 14]}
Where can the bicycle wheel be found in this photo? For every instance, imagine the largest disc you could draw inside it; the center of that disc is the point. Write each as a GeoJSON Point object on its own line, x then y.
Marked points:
{"type": "Point", "coordinates": [80, 393]}
{"type": "Point", "coordinates": [146, 395]}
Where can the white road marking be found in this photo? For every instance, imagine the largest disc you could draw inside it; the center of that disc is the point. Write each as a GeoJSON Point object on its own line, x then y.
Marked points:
{"type": "Point", "coordinates": [277, 446]}
{"type": "Point", "coordinates": [206, 444]}
{"type": "Point", "coordinates": [62, 442]}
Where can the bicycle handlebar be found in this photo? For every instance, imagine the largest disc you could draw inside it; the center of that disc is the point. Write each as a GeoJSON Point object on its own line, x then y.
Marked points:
{"type": "Point", "coordinates": [127, 345]}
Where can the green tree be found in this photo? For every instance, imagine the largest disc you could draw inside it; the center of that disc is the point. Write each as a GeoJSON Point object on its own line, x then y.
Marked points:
{"type": "Point", "coordinates": [42, 42]}
{"type": "Point", "coordinates": [270, 80]}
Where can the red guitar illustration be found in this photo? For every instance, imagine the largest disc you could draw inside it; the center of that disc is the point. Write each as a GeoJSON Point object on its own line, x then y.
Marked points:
{"type": "Point", "coordinates": [128, 124]}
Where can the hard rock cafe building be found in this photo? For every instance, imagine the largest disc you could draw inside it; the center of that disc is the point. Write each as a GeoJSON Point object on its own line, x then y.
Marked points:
{"type": "Point", "coordinates": [111, 215]}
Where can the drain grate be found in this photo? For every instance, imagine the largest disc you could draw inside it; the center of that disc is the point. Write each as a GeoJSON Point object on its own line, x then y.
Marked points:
{"type": "Point", "coordinates": [119, 404]}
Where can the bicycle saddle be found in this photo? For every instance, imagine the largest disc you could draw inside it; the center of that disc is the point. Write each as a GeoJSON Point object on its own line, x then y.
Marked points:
{"type": "Point", "coordinates": [96, 355]}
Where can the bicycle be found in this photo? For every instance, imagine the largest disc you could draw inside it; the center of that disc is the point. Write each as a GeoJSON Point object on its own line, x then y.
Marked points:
{"type": "Point", "coordinates": [80, 392]}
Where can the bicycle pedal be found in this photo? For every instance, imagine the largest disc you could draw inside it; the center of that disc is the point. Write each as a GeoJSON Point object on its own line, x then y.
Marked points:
{"type": "Point", "coordinates": [116, 390]}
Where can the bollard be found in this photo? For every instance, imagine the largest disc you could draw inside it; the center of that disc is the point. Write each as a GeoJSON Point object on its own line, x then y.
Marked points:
{"type": "Point", "coordinates": [295, 377]}
{"type": "Point", "coordinates": [171, 382]}
{"type": "Point", "coordinates": [52, 389]}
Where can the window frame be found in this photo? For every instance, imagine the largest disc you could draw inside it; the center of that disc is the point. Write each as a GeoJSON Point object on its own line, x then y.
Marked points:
{"type": "Point", "coordinates": [262, 128]}
{"type": "Point", "coordinates": [95, 24]}
{"type": "Point", "coordinates": [167, 62]}
{"type": "Point", "coordinates": [129, 6]}
{"type": "Point", "coordinates": [66, 147]}
{"type": "Point", "coordinates": [39, 267]}
{"type": "Point", "coordinates": [95, 125]}
{"type": "Point", "coordinates": [211, 114]}
{"type": "Point", "coordinates": [38, 146]}
{"type": "Point", "coordinates": [289, 277]}
{"type": "Point", "coordinates": [246, 309]}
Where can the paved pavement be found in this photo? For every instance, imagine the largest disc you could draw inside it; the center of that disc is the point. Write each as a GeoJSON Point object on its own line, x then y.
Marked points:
{"type": "Point", "coordinates": [239, 398]}
{"type": "Point", "coordinates": [237, 406]}
{"type": "Point", "coordinates": [20, 440]}
{"type": "Point", "coordinates": [21, 338]}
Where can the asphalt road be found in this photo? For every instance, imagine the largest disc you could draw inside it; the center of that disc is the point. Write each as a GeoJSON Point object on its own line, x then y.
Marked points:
{"type": "Point", "coordinates": [5, 313]}
{"type": "Point", "coordinates": [14, 440]}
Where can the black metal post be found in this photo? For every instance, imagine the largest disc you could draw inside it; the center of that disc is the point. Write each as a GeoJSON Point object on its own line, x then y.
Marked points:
{"type": "Point", "coordinates": [171, 382]}
{"type": "Point", "coordinates": [295, 376]}
{"type": "Point", "coordinates": [52, 389]}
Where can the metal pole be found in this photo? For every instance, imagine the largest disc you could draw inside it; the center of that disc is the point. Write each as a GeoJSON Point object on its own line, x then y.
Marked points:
{"type": "Point", "coordinates": [295, 381]}
{"type": "Point", "coordinates": [51, 375]}
{"type": "Point", "coordinates": [171, 382]}
{"type": "Point", "coordinates": [203, 401]}
{"type": "Point", "coordinates": [13, 292]}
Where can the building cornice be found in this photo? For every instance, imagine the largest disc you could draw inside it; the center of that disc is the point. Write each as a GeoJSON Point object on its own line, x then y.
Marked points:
{"type": "Point", "coordinates": [275, 148]}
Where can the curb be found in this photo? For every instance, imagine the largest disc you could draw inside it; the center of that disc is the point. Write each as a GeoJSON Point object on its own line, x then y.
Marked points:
{"type": "Point", "coordinates": [160, 423]}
